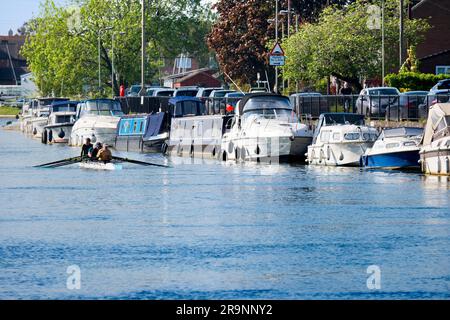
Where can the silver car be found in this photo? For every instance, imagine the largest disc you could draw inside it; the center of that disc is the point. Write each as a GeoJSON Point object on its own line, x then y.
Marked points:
{"type": "Point", "coordinates": [374, 101]}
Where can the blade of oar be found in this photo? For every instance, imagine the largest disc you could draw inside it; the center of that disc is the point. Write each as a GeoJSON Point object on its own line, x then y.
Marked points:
{"type": "Point", "coordinates": [73, 159]}
{"type": "Point", "coordinates": [62, 164]}
{"type": "Point", "coordinates": [140, 162]}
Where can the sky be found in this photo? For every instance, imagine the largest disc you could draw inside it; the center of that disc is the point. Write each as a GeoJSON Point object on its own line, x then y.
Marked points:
{"type": "Point", "coordinates": [13, 13]}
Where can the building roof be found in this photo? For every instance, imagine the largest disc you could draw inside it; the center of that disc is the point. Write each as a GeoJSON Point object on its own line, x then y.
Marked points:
{"type": "Point", "coordinates": [190, 73]}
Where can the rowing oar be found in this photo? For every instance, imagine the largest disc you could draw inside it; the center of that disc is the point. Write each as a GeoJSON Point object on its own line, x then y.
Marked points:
{"type": "Point", "coordinates": [140, 162]}
{"type": "Point", "coordinates": [60, 163]}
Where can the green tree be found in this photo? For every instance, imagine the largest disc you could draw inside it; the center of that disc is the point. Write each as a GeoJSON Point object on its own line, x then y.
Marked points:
{"type": "Point", "coordinates": [62, 45]}
{"type": "Point", "coordinates": [345, 44]}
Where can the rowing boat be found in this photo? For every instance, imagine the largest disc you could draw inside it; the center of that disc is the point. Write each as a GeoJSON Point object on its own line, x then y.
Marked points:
{"type": "Point", "coordinates": [100, 165]}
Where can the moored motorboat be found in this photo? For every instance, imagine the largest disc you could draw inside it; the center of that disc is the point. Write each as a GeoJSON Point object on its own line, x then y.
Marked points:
{"type": "Point", "coordinates": [340, 139]}
{"type": "Point", "coordinates": [265, 126]}
{"type": "Point", "coordinates": [395, 148]}
{"type": "Point", "coordinates": [60, 122]}
{"type": "Point", "coordinates": [97, 119]}
{"type": "Point", "coordinates": [435, 151]}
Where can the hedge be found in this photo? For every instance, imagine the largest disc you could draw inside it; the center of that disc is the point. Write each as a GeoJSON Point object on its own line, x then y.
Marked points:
{"type": "Point", "coordinates": [411, 81]}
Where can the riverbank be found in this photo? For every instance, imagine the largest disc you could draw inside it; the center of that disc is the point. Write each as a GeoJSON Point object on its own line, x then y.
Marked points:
{"type": "Point", "coordinates": [8, 112]}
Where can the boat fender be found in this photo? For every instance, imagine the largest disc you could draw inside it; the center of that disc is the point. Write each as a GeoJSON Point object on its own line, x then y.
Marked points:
{"type": "Point", "coordinates": [179, 151]}
{"type": "Point", "coordinates": [312, 156]}
{"type": "Point", "coordinates": [258, 150]}
{"type": "Point", "coordinates": [243, 153]}
{"type": "Point", "coordinates": [447, 166]}
{"type": "Point", "coordinates": [61, 133]}
{"type": "Point", "coordinates": [236, 153]}
{"type": "Point", "coordinates": [328, 153]}
{"type": "Point", "coordinates": [224, 156]}
{"type": "Point", "coordinates": [34, 131]}
{"type": "Point", "coordinates": [230, 147]}
{"type": "Point", "coordinates": [438, 165]}
{"type": "Point", "coordinates": [50, 136]}
{"type": "Point", "coordinates": [213, 152]}
{"type": "Point", "coordinates": [44, 137]}
{"type": "Point", "coordinates": [191, 151]}
{"type": "Point", "coordinates": [320, 155]}
{"type": "Point", "coordinates": [341, 157]}
{"type": "Point", "coordinates": [164, 148]}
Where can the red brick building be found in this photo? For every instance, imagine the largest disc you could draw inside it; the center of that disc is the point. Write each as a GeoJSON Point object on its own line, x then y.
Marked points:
{"type": "Point", "coordinates": [200, 77]}
{"type": "Point", "coordinates": [12, 63]}
{"type": "Point", "coordinates": [434, 52]}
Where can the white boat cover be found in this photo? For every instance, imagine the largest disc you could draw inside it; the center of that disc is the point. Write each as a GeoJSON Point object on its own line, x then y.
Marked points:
{"type": "Point", "coordinates": [436, 113]}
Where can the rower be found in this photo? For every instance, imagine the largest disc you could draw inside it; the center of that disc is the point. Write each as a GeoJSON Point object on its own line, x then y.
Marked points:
{"type": "Point", "coordinates": [93, 152]}
{"type": "Point", "coordinates": [104, 154]}
{"type": "Point", "coordinates": [85, 148]}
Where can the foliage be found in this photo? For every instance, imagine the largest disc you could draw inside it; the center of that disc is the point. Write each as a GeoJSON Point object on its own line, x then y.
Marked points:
{"type": "Point", "coordinates": [62, 43]}
{"type": "Point", "coordinates": [342, 44]}
{"type": "Point", "coordinates": [409, 81]}
{"type": "Point", "coordinates": [9, 111]}
{"type": "Point", "coordinates": [242, 33]}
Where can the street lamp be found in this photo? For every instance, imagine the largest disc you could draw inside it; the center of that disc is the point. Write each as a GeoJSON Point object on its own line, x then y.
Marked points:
{"type": "Point", "coordinates": [142, 92]}
{"type": "Point", "coordinates": [99, 56]}
{"type": "Point", "coordinates": [112, 60]}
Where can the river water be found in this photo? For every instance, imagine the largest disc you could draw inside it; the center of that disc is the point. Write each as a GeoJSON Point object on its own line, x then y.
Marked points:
{"type": "Point", "coordinates": [214, 230]}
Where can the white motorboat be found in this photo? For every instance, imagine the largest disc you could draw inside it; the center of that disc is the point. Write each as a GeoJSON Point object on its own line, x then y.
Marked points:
{"type": "Point", "coordinates": [265, 127]}
{"type": "Point", "coordinates": [98, 165]}
{"type": "Point", "coordinates": [340, 139]}
{"type": "Point", "coordinates": [435, 151]}
{"type": "Point", "coordinates": [60, 122]}
{"type": "Point", "coordinates": [96, 119]}
{"type": "Point", "coordinates": [37, 114]}
{"type": "Point", "coordinates": [395, 148]}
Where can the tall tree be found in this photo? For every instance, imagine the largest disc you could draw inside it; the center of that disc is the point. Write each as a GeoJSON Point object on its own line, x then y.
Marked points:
{"type": "Point", "coordinates": [346, 43]}
{"type": "Point", "coordinates": [62, 50]}
{"type": "Point", "coordinates": [242, 33]}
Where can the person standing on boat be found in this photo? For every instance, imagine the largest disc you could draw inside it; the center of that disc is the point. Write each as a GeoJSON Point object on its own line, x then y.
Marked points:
{"type": "Point", "coordinates": [104, 154]}
{"type": "Point", "coordinates": [93, 152]}
{"type": "Point", "coordinates": [85, 148]}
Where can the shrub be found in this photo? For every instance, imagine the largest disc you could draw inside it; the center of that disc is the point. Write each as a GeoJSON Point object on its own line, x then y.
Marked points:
{"type": "Point", "coordinates": [409, 81]}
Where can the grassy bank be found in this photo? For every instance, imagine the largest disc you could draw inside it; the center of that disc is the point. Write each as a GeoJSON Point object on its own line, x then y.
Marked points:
{"type": "Point", "coordinates": [8, 111]}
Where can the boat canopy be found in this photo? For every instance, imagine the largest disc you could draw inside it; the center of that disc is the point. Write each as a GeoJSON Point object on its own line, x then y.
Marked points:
{"type": "Point", "coordinates": [263, 100]}
{"type": "Point", "coordinates": [331, 119]}
{"type": "Point", "coordinates": [187, 106]}
{"type": "Point", "coordinates": [100, 107]}
{"type": "Point", "coordinates": [61, 106]}
{"type": "Point", "coordinates": [438, 119]}
{"type": "Point", "coordinates": [402, 132]}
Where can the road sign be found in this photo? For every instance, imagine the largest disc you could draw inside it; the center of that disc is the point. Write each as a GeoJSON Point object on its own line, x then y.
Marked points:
{"type": "Point", "coordinates": [277, 60]}
{"type": "Point", "coordinates": [277, 50]}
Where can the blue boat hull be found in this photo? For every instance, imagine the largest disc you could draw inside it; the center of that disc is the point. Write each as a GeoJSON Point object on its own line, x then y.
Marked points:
{"type": "Point", "coordinates": [395, 160]}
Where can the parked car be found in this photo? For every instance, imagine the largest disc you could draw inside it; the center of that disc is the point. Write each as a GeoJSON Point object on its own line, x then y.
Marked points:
{"type": "Point", "coordinates": [374, 101]}
{"type": "Point", "coordinates": [259, 89]}
{"type": "Point", "coordinates": [434, 96]}
{"type": "Point", "coordinates": [134, 90]}
{"type": "Point", "coordinates": [215, 102]}
{"type": "Point", "coordinates": [203, 93]}
{"type": "Point", "coordinates": [441, 85]}
{"type": "Point", "coordinates": [186, 92]}
{"type": "Point", "coordinates": [163, 92]}
{"type": "Point", "coordinates": [407, 106]}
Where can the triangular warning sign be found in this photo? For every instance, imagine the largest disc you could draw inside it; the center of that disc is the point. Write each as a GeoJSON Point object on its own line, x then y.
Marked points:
{"type": "Point", "coordinates": [277, 50]}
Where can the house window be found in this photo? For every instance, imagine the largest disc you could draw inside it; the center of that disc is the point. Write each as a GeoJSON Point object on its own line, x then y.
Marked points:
{"type": "Point", "coordinates": [442, 69]}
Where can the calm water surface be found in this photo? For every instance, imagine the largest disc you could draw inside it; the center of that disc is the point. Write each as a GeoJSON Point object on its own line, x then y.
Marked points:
{"type": "Point", "coordinates": [213, 230]}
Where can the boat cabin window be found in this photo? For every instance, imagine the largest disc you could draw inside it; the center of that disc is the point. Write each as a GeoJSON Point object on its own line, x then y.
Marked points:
{"type": "Point", "coordinates": [70, 107]}
{"type": "Point", "coordinates": [336, 136]}
{"type": "Point", "coordinates": [64, 119]}
{"type": "Point", "coordinates": [392, 145]}
{"type": "Point", "coordinates": [325, 136]}
{"type": "Point", "coordinates": [351, 136]}
{"type": "Point", "coordinates": [270, 108]}
{"type": "Point", "coordinates": [339, 118]}
{"type": "Point", "coordinates": [104, 108]}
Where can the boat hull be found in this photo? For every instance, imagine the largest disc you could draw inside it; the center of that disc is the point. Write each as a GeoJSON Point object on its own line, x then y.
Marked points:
{"type": "Point", "coordinates": [92, 165]}
{"type": "Point", "coordinates": [337, 154]}
{"type": "Point", "coordinates": [435, 161]}
{"type": "Point", "coordinates": [59, 133]}
{"type": "Point", "coordinates": [394, 160]}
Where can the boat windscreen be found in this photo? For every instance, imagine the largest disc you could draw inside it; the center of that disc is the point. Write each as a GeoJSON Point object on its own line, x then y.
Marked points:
{"type": "Point", "coordinates": [344, 118]}
{"type": "Point", "coordinates": [267, 102]}
{"type": "Point", "coordinates": [402, 132]}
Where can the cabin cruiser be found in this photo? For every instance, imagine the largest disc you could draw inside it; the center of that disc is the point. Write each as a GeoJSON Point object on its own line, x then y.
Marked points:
{"type": "Point", "coordinates": [265, 126]}
{"type": "Point", "coordinates": [40, 113]}
{"type": "Point", "coordinates": [96, 119]}
{"type": "Point", "coordinates": [60, 122]}
{"type": "Point", "coordinates": [435, 151]}
{"type": "Point", "coordinates": [340, 139]}
{"type": "Point", "coordinates": [395, 148]}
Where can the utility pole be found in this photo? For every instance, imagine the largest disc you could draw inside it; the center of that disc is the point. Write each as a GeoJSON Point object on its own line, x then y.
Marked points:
{"type": "Point", "coordinates": [142, 92]}
{"type": "Point", "coordinates": [382, 43]}
{"type": "Point", "coordinates": [401, 27]}
{"type": "Point", "coordinates": [276, 41]}
{"type": "Point", "coordinates": [99, 64]}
